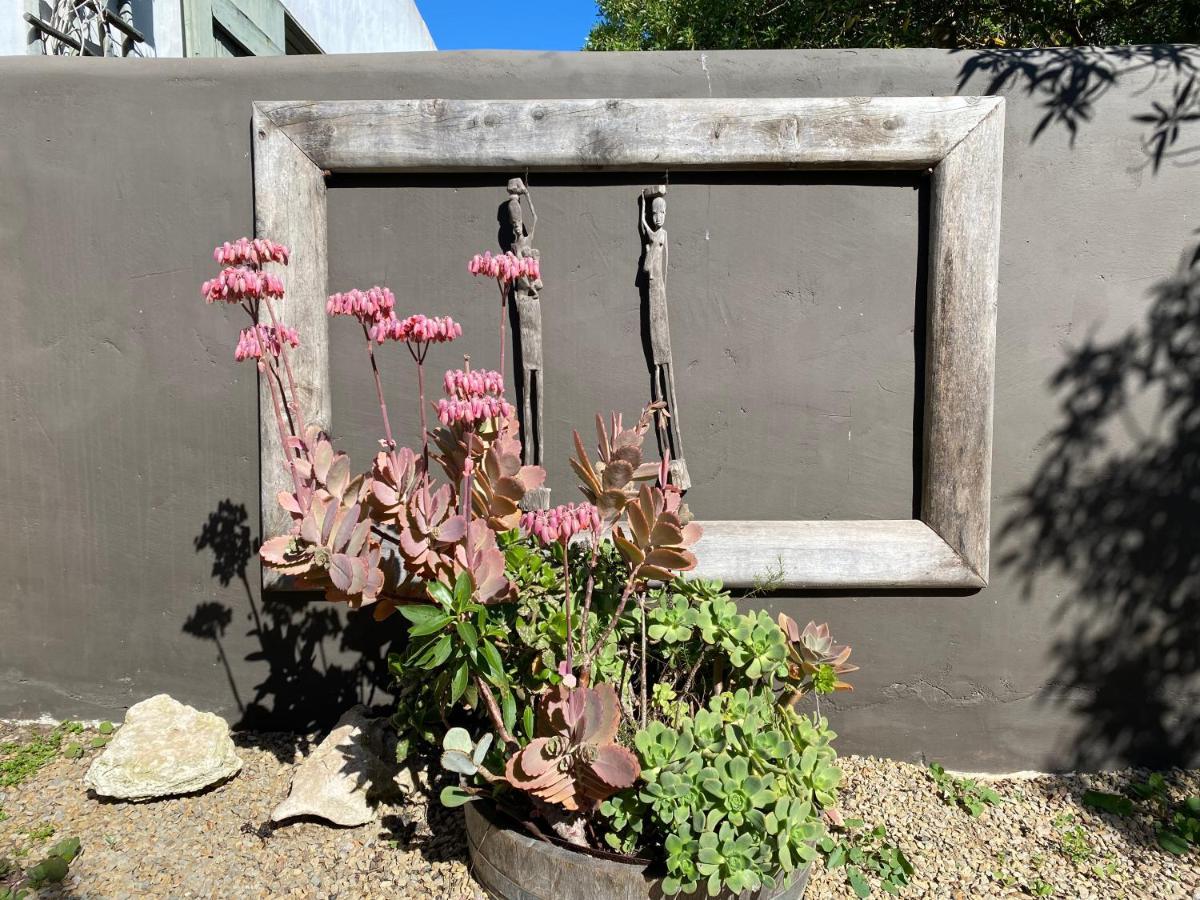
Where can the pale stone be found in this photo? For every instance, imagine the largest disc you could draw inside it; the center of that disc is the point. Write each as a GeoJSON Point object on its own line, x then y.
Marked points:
{"type": "Point", "coordinates": [164, 748]}
{"type": "Point", "coordinates": [337, 781]}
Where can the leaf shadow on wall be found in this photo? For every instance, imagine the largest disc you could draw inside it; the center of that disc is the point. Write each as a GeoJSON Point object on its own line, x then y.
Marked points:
{"type": "Point", "coordinates": [1071, 82]}
{"type": "Point", "coordinates": [1115, 508]}
{"type": "Point", "coordinates": [320, 660]}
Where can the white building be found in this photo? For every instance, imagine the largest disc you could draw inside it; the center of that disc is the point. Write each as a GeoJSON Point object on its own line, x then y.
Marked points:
{"type": "Point", "coordinates": [206, 28]}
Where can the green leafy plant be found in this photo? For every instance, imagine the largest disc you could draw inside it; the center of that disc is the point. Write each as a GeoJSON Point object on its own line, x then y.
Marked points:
{"type": "Point", "coordinates": [966, 793]}
{"type": "Point", "coordinates": [866, 854]}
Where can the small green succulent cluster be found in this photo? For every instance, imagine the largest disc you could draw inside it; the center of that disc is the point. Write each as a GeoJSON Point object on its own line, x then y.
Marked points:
{"type": "Point", "coordinates": [692, 614]}
{"type": "Point", "coordinates": [733, 794]}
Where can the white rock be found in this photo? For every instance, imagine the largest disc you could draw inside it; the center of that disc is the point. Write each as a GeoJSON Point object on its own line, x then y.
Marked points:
{"type": "Point", "coordinates": [164, 748]}
{"type": "Point", "coordinates": [346, 770]}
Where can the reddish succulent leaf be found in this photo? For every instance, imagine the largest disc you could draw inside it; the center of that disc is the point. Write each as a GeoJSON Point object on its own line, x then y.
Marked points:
{"type": "Point", "coordinates": [573, 761]}
{"type": "Point", "coordinates": [275, 549]}
{"type": "Point", "coordinates": [617, 767]}
{"type": "Point", "coordinates": [341, 571]}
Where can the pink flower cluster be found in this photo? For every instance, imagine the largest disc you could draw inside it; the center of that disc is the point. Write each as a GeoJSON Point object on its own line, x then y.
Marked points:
{"type": "Point", "coordinates": [473, 411]}
{"type": "Point", "coordinates": [561, 522]}
{"type": "Point", "coordinates": [369, 306]}
{"type": "Point", "coordinates": [251, 252]}
{"type": "Point", "coordinates": [464, 385]}
{"type": "Point", "coordinates": [416, 329]}
{"type": "Point", "coordinates": [240, 283]}
{"type": "Point", "coordinates": [505, 266]}
{"type": "Point", "coordinates": [257, 338]}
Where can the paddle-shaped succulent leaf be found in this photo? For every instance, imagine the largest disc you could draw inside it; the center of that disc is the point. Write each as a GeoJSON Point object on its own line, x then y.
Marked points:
{"type": "Point", "coordinates": [394, 477]}
{"type": "Point", "coordinates": [815, 662]}
{"type": "Point", "coordinates": [574, 761]}
{"type": "Point", "coordinates": [333, 548]}
{"type": "Point", "coordinates": [500, 482]}
{"type": "Point", "coordinates": [655, 543]}
{"type": "Point", "coordinates": [429, 528]}
{"type": "Point", "coordinates": [480, 556]}
{"type": "Point", "coordinates": [613, 480]}
{"type": "Point", "coordinates": [462, 755]}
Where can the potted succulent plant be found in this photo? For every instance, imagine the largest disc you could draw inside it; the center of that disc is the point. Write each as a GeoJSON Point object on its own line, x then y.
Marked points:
{"type": "Point", "coordinates": [615, 728]}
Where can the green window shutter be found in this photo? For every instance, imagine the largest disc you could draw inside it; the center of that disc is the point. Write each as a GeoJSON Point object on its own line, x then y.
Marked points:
{"type": "Point", "coordinates": [233, 28]}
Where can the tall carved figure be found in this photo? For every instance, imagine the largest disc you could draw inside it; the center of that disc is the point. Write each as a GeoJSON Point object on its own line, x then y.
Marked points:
{"type": "Point", "coordinates": [526, 300]}
{"type": "Point", "coordinates": [652, 216]}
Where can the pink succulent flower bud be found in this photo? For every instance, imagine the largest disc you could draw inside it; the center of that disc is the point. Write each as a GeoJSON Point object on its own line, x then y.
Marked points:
{"type": "Point", "coordinates": [477, 383]}
{"type": "Point", "coordinates": [419, 329]}
{"type": "Point", "coordinates": [473, 411]}
{"type": "Point", "coordinates": [256, 340]}
{"type": "Point", "coordinates": [560, 523]}
{"type": "Point", "coordinates": [238, 283]}
{"type": "Point", "coordinates": [251, 252]}
{"type": "Point", "coordinates": [505, 267]}
{"type": "Point", "coordinates": [370, 306]}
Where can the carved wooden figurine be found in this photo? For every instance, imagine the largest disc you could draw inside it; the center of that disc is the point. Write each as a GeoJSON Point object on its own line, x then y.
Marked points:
{"type": "Point", "coordinates": [652, 214]}
{"type": "Point", "coordinates": [526, 299]}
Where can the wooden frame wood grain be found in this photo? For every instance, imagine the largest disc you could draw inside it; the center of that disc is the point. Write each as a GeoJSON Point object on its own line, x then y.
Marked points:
{"type": "Point", "coordinates": [959, 138]}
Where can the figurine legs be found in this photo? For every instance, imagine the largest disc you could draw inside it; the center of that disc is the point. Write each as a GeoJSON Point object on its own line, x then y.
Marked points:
{"type": "Point", "coordinates": [531, 437]}
{"type": "Point", "coordinates": [669, 435]}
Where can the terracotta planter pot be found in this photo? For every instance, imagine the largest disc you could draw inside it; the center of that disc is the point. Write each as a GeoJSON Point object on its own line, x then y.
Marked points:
{"type": "Point", "coordinates": [511, 865]}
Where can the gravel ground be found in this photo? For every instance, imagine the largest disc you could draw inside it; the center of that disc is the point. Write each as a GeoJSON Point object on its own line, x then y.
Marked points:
{"type": "Point", "coordinates": [1040, 838]}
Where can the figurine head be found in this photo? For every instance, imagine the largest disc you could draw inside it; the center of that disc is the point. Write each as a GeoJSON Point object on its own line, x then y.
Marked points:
{"type": "Point", "coordinates": [516, 215]}
{"type": "Point", "coordinates": [658, 212]}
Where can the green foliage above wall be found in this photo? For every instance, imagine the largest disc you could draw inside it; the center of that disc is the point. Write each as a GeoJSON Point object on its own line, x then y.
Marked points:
{"type": "Point", "coordinates": [777, 24]}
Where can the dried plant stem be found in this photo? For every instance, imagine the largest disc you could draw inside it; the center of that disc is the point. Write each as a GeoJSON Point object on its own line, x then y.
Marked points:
{"type": "Point", "coordinates": [294, 405]}
{"type": "Point", "coordinates": [387, 425]}
{"type": "Point", "coordinates": [625, 595]}
{"type": "Point", "coordinates": [641, 602]}
{"type": "Point", "coordinates": [567, 606]}
{"type": "Point", "coordinates": [489, 700]}
{"type": "Point", "coordinates": [587, 595]}
{"type": "Point", "coordinates": [691, 675]}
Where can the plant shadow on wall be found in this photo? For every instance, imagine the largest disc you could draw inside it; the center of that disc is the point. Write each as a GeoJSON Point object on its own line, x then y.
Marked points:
{"type": "Point", "coordinates": [1114, 507]}
{"type": "Point", "coordinates": [320, 659]}
{"type": "Point", "coordinates": [1070, 83]}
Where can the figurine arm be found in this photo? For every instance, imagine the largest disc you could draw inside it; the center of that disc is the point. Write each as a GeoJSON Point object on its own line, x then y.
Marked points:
{"type": "Point", "coordinates": [532, 216]}
{"type": "Point", "coordinates": [643, 225]}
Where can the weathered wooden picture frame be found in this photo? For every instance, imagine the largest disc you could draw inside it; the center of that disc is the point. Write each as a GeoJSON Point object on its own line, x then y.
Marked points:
{"type": "Point", "coordinates": [960, 139]}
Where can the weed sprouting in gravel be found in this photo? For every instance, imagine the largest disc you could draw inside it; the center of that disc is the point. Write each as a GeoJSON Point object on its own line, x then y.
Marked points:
{"type": "Point", "coordinates": [866, 852]}
{"type": "Point", "coordinates": [21, 761]}
{"type": "Point", "coordinates": [15, 885]}
{"type": "Point", "coordinates": [966, 793]}
{"type": "Point", "coordinates": [1177, 824]}
{"type": "Point", "coordinates": [41, 832]}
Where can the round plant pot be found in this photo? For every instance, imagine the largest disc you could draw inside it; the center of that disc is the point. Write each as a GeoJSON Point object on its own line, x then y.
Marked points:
{"type": "Point", "coordinates": [511, 865]}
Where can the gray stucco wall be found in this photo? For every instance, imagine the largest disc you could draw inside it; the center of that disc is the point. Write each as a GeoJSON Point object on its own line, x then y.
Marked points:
{"type": "Point", "coordinates": [129, 453]}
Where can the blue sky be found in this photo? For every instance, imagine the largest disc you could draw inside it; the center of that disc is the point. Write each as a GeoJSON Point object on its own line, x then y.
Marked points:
{"type": "Point", "coordinates": [520, 25]}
